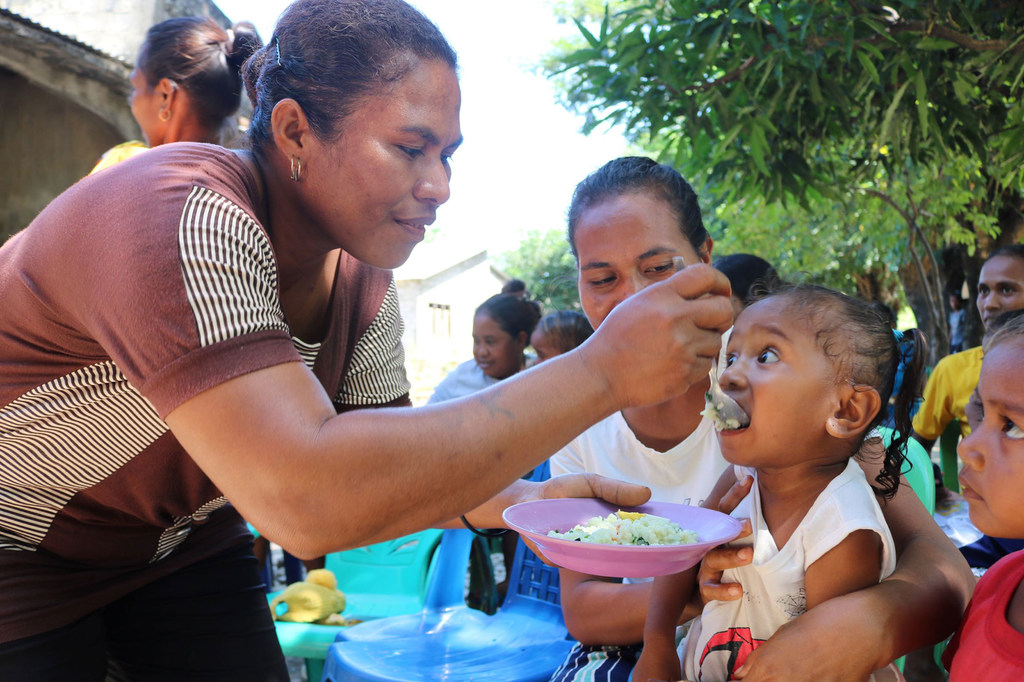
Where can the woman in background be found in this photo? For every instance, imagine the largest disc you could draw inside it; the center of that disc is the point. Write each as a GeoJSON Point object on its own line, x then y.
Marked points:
{"type": "Point", "coordinates": [559, 332]}
{"type": "Point", "coordinates": [186, 83]}
{"type": "Point", "coordinates": [502, 326]}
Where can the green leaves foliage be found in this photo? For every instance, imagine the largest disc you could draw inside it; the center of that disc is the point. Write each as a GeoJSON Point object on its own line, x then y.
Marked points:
{"type": "Point", "coordinates": [818, 72]}
{"type": "Point", "coordinates": [544, 261]}
{"type": "Point", "coordinates": [880, 134]}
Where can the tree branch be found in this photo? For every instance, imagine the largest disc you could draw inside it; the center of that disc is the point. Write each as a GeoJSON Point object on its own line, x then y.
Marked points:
{"type": "Point", "coordinates": [934, 301]}
{"type": "Point", "coordinates": [915, 231]}
{"type": "Point", "coordinates": [961, 39]}
{"type": "Point", "coordinates": [889, 200]}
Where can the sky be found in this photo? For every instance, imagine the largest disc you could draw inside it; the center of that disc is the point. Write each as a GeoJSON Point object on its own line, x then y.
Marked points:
{"type": "Point", "coordinates": [523, 152]}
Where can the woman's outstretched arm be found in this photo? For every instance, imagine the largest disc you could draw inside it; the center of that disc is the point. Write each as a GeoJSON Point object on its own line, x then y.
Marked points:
{"type": "Point", "coordinates": [314, 481]}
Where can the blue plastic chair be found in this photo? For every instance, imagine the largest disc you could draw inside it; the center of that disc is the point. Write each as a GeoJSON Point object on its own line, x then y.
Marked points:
{"type": "Point", "coordinates": [526, 640]}
{"type": "Point", "coordinates": [385, 579]}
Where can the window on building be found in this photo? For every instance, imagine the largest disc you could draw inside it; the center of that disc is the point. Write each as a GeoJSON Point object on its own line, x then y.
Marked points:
{"type": "Point", "coordinates": [440, 320]}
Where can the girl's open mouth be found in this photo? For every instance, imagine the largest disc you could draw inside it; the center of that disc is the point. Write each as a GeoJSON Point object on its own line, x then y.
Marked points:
{"type": "Point", "coordinates": [724, 412]}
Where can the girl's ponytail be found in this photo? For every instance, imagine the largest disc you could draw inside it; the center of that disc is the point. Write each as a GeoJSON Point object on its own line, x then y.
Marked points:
{"type": "Point", "coordinates": [911, 350]}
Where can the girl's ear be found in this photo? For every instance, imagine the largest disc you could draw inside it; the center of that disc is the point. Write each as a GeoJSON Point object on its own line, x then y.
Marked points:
{"type": "Point", "coordinates": [858, 405]}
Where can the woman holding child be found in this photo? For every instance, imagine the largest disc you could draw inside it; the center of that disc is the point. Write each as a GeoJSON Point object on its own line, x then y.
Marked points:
{"type": "Point", "coordinates": [626, 222]}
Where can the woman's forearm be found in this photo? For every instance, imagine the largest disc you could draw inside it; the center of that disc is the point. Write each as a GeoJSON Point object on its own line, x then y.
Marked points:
{"type": "Point", "coordinates": [876, 625]}
{"type": "Point", "coordinates": [604, 613]}
{"type": "Point", "coordinates": [928, 593]}
{"type": "Point", "coordinates": [315, 483]}
{"type": "Point", "coordinates": [918, 605]}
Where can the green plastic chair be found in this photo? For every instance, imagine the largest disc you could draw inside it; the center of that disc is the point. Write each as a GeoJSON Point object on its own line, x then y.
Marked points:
{"type": "Point", "coordinates": [948, 462]}
{"type": "Point", "coordinates": [917, 469]}
{"type": "Point", "coordinates": [386, 579]}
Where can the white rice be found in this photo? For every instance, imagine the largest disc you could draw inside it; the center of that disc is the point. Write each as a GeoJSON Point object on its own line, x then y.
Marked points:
{"type": "Point", "coordinates": [617, 530]}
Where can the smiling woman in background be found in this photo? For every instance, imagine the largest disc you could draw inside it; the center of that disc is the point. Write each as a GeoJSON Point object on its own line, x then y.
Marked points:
{"type": "Point", "coordinates": [502, 326]}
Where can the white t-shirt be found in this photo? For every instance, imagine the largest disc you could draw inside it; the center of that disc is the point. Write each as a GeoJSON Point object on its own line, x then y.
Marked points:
{"type": "Point", "coordinates": [464, 380]}
{"type": "Point", "coordinates": [684, 474]}
{"type": "Point", "coordinates": [773, 584]}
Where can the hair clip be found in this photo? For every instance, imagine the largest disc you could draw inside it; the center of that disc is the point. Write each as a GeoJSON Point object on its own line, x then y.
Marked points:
{"type": "Point", "coordinates": [277, 44]}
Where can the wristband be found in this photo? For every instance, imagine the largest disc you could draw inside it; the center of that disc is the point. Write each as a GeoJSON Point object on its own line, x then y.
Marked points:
{"type": "Point", "coordinates": [483, 532]}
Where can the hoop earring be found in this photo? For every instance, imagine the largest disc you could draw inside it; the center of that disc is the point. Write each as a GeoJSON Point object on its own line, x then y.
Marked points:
{"type": "Point", "coordinates": [165, 115]}
{"type": "Point", "coordinates": [296, 169]}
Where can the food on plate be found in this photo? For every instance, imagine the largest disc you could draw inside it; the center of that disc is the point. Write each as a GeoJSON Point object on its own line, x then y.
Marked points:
{"type": "Point", "coordinates": [628, 528]}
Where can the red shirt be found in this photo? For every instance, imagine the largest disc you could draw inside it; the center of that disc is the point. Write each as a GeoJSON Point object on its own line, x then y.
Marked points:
{"type": "Point", "coordinates": [987, 647]}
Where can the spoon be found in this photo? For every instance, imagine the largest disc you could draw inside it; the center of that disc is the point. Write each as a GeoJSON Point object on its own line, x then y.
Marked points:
{"type": "Point", "coordinates": [723, 411]}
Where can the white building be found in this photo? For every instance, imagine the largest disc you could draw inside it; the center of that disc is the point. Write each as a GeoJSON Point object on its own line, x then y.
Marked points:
{"type": "Point", "coordinates": [439, 289]}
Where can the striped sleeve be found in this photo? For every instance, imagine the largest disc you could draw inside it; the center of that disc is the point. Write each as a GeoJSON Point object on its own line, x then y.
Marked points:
{"type": "Point", "coordinates": [376, 373]}
{"type": "Point", "coordinates": [229, 269]}
{"type": "Point", "coordinates": [222, 316]}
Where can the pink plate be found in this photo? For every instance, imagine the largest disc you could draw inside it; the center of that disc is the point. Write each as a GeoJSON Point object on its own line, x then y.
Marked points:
{"type": "Point", "coordinates": [534, 520]}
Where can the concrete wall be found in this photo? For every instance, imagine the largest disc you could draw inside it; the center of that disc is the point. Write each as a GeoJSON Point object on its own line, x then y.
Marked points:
{"type": "Point", "coordinates": [115, 27]}
{"type": "Point", "coordinates": [48, 143]}
{"type": "Point", "coordinates": [63, 99]}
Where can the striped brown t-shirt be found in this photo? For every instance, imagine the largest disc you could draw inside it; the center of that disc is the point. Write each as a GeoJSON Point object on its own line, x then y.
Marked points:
{"type": "Point", "coordinates": [135, 290]}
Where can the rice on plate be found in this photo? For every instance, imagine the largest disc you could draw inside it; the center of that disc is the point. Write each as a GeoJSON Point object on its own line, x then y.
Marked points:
{"type": "Point", "coordinates": [628, 528]}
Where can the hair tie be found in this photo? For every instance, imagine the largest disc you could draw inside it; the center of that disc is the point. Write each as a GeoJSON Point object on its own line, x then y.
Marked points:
{"type": "Point", "coordinates": [231, 38]}
{"type": "Point", "coordinates": [898, 335]}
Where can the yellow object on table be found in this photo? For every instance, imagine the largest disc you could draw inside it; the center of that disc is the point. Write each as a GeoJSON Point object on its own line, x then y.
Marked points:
{"type": "Point", "coordinates": [317, 599]}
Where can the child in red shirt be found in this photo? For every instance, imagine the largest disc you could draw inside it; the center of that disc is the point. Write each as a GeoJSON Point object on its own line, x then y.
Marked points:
{"type": "Point", "coordinates": [990, 641]}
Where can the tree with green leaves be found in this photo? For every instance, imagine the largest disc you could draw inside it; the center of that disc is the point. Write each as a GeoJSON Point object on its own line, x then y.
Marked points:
{"type": "Point", "coordinates": [544, 262]}
{"type": "Point", "coordinates": [870, 144]}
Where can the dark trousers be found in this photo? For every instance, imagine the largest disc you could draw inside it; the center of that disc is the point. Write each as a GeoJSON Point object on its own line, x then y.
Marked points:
{"type": "Point", "coordinates": [209, 621]}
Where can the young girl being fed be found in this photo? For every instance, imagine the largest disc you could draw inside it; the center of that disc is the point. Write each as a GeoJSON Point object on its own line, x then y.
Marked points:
{"type": "Point", "coordinates": [990, 641]}
{"type": "Point", "coordinates": [812, 368]}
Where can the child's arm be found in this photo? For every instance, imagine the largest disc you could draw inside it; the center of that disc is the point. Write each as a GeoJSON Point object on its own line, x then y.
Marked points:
{"type": "Point", "coordinates": [669, 596]}
{"type": "Point", "coordinates": [916, 606]}
{"type": "Point", "coordinates": [853, 564]}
